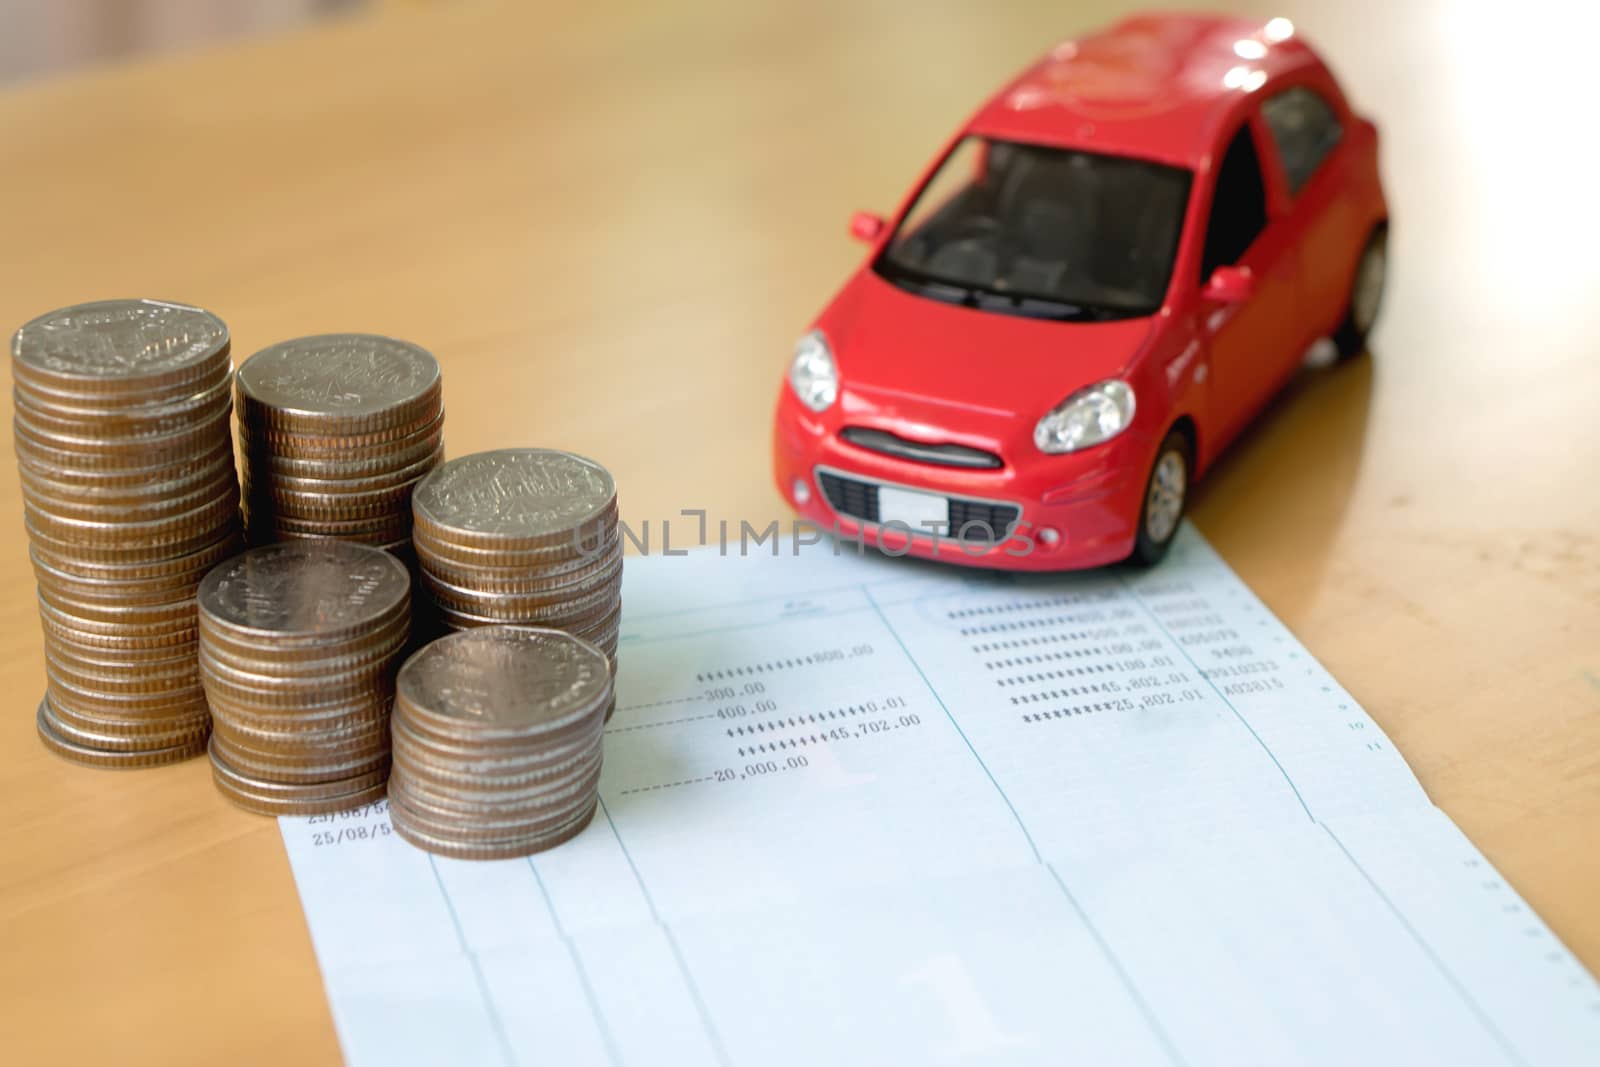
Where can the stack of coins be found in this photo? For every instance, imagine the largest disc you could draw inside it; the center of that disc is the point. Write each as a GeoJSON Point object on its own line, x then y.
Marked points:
{"type": "Point", "coordinates": [525, 536]}
{"type": "Point", "coordinates": [497, 742]}
{"type": "Point", "coordinates": [336, 431]}
{"type": "Point", "coordinates": [299, 644]}
{"type": "Point", "coordinates": [130, 496]}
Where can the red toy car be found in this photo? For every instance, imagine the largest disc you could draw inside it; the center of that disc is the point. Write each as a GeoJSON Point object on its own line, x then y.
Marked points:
{"type": "Point", "coordinates": [1109, 271]}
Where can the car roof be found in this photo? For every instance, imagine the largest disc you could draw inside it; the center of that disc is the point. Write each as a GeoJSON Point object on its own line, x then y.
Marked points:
{"type": "Point", "coordinates": [1157, 87]}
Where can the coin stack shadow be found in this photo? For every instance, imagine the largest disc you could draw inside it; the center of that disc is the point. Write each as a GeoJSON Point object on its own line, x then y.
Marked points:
{"type": "Point", "coordinates": [497, 742]}
{"type": "Point", "coordinates": [129, 497]}
{"type": "Point", "coordinates": [335, 431]}
{"type": "Point", "coordinates": [525, 537]}
{"type": "Point", "coordinates": [299, 645]}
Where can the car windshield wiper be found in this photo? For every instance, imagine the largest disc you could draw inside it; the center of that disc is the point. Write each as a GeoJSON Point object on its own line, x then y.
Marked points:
{"type": "Point", "coordinates": [1030, 305]}
{"type": "Point", "coordinates": [926, 284]}
{"type": "Point", "coordinates": [1044, 307]}
{"type": "Point", "coordinates": [949, 292]}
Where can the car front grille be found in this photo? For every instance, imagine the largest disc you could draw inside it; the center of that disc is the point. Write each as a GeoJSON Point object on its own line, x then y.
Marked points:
{"type": "Point", "coordinates": [974, 521]}
{"type": "Point", "coordinates": [980, 520]}
{"type": "Point", "coordinates": [847, 496]}
{"type": "Point", "coordinates": [940, 455]}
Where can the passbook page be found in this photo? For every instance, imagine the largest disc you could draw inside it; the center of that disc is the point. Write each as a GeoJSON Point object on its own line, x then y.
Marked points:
{"type": "Point", "coordinates": [871, 811]}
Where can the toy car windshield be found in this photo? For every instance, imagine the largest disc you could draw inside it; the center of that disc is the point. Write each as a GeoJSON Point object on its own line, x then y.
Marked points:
{"type": "Point", "coordinates": [1044, 232]}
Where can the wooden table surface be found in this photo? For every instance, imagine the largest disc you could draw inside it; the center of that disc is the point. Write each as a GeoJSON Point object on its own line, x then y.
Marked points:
{"type": "Point", "coordinates": [611, 222]}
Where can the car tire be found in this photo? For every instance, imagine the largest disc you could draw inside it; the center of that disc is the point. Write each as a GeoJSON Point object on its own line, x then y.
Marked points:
{"type": "Point", "coordinates": [1166, 496]}
{"type": "Point", "coordinates": [1366, 295]}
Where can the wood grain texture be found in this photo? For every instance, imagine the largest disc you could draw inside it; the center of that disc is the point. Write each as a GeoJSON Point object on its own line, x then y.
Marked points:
{"type": "Point", "coordinates": [610, 222]}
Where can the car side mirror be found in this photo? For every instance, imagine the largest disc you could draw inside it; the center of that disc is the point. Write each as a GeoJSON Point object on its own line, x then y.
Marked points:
{"type": "Point", "coordinates": [867, 227]}
{"type": "Point", "coordinates": [1229, 285]}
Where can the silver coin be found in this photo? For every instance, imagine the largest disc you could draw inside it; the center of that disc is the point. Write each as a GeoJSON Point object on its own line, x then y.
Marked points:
{"type": "Point", "coordinates": [174, 611]}
{"type": "Point", "coordinates": [161, 621]}
{"type": "Point", "coordinates": [86, 593]}
{"type": "Point", "coordinates": [119, 493]}
{"type": "Point", "coordinates": [392, 504]}
{"type": "Point", "coordinates": [197, 720]}
{"type": "Point", "coordinates": [287, 768]}
{"type": "Point", "coordinates": [94, 735]}
{"type": "Point", "coordinates": [462, 847]}
{"type": "Point", "coordinates": [305, 588]}
{"type": "Point", "coordinates": [285, 694]}
{"type": "Point", "coordinates": [180, 498]}
{"type": "Point", "coordinates": [92, 453]}
{"type": "Point", "coordinates": [266, 779]}
{"type": "Point", "coordinates": [345, 483]}
{"type": "Point", "coordinates": [96, 754]}
{"type": "Point", "coordinates": [134, 536]}
{"type": "Point", "coordinates": [580, 626]}
{"type": "Point", "coordinates": [532, 586]}
{"type": "Point", "coordinates": [567, 614]}
{"type": "Point", "coordinates": [336, 739]}
{"type": "Point", "coordinates": [129, 423]}
{"type": "Point", "coordinates": [518, 494]}
{"type": "Point", "coordinates": [118, 400]}
{"type": "Point", "coordinates": [379, 540]}
{"type": "Point", "coordinates": [503, 681]}
{"type": "Point", "coordinates": [294, 798]}
{"type": "Point", "coordinates": [276, 446]}
{"type": "Point", "coordinates": [569, 551]}
{"type": "Point", "coordinates": [152, 674]}
{"type": "Point", "coordinates": [475, 767]}
{"type": "Point", "coordinates": [114, 662]}
{"type": "Point", "coordinates": [146, 557]}
{"type": "Point", "coordinates": [426, 451]}
{"type": "Point", "coordinates": [135, 403]}
{"type": "Point", "coordinates": [299, 722]}
{"type": "Point", "coordinates": [194, 565]}
{"type": "Point", "coordinates": [180, 695]}
{"type": "Point", "coordinates": [156, 469]}
{"type": "Point", "coordinates": [121, 342]}
{"type": "Point", "coordinates": [377, 530]}
{"type": "Point", "coordinates": [339, 377]}
{"type": "Point", "coordinates": [307, 653]}
{"type": "Point", "coordinates": [496, 816]}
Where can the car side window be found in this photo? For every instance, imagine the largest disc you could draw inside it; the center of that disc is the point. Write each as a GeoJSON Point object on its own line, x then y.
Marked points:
{"type": "Point", "coordinates": [1238, 207]}
{"type": "Point", "coordinates": [1305, 129]}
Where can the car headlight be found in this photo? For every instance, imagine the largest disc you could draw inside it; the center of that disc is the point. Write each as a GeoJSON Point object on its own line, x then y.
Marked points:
{"type": "Point", "coordinates": [1088, 417]}
{"type": "Point", "coordinates": [812, 373]}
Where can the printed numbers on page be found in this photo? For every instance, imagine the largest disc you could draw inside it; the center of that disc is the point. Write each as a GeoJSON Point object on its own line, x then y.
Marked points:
{"type": "Point", "coordinates": [761, 769]}
{"type": "Point", "coordinates": [365, 811]}
{"type": "Point", "coordinates": [837, 655]}
{"type": "Point", "coordinates": [739, 711]}
{"type": "Point", "coordinates": [350, 835]}
{"type": "Point", "coordinates": [728, 692]}
{"type": "Point", "coordinates": [1254, 685]}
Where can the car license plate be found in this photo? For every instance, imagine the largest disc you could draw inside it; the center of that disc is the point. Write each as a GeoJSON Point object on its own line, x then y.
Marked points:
{"type": "Point", "coordinates": [924, 513]}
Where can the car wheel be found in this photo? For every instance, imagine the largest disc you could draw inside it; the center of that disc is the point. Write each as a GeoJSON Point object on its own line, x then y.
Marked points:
{"type": "Point", "coordinates": [1166, 494]}
{"type": "Point", "coordinates": [1366, 295]}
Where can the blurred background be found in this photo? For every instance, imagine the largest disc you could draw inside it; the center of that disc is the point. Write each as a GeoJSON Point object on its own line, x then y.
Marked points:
{"type": "Point", "coordinates": [655, 194]}
{"type": "Point", "coordinates": [497, 179]}
{"type": "Point", "coordinates": [46, 36]}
